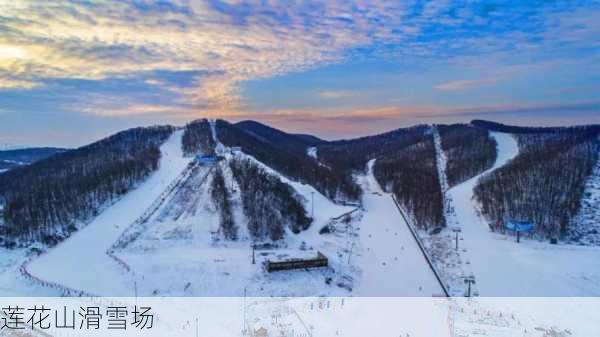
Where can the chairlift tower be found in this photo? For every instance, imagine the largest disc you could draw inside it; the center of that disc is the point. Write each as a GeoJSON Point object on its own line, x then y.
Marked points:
{"type": "Point", "coordinates": [456, 230]}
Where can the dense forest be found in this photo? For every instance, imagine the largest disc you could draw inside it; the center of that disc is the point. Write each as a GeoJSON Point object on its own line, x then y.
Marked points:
{"type": "Point", "coordinates": [469, 151]}
{"type": "Point", "coordinates": [411, 174]}
{"type": "Point", "coordinates": [47, 200]}
{"type": "Point", "coordinates": [494, 126]}
{"type": "Point", "coordinates": [269, 204]}
{"type": "Point", "coordinates": [197, 138]}
{"type": "Point", "coordinates": [353, 155]}
{"type": "Point", "coordinates": [277, 138]}
{"type": "Point", "coordinates": [544, 183]}
{"type": "Point", "coordinates": [222, 200]}
{"type": "Point", "coordinates": [298, 166]}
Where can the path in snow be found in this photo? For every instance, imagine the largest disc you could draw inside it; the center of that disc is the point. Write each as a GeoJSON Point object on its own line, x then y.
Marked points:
{"type": "Point", "coordinates": [391, 262]}
{"type": "Point", "coordinates": [81, 261]}
{"type": "Point", "coordinates": [585, 226]}
{"type": "Point", "coordinates": [441, 164]}
{"type": "Point", "coordinates": [504, 268]}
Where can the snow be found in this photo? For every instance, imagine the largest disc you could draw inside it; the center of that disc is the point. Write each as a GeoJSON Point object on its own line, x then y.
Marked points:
{"type": "Point", "coordinates": [391, 262]}
{"type": "Point", "coordinates": [81, 261]}
{"type": "Point", "coordinates": [312, 152]}
{"type": "Point", "coordinates": [585, 226]}
{"type": "Point", "coordinates": [179, 251]}
{"type": "Point", "coordinates": [12, 283]}
{"type": "Point", "coordinates": [441, 163]}
{"type": "Point", "coordinates": [504, 268]}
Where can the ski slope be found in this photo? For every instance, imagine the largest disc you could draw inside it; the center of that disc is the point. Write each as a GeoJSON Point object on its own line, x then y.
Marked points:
{"type": "Point", "coordinates": [585, 226]}
{"type": "Point", "coordinates": [504, 268]}
{"type": "Point", "coordinates": [81, 262]}
{"type": "Point", "coordinates": [391, 262]}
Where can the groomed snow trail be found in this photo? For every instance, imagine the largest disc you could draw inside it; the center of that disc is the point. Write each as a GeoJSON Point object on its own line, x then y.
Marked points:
{"type": "Point", "coordinates": [391, 262]}
{"type": "Point", "coordinates": [585, 226]}
{"type": "Point", "coordinates": [531, 268]}
{"type": "Point", "coordinates": [80, 262]}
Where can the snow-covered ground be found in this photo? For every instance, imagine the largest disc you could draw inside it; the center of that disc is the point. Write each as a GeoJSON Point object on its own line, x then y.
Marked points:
{"type": "Point", "coordinates": [585, 226]}
{"type": "Point", "coordinates": [391, 262]}
{"type": "Point", "coordinates": [312, 152]}
{"type": "Point", "coordinates": [504, 268]}
{"type": "Point", "coordinates": [180, 253]}
{"type": "Point", "coordinates": [12, 283]}
{"type": "Point", "coordinates": [177, 251]}
{"type": "Point", "coordinates": [81, 261]}
{"type": "Point", "coordinates": [371, 252]}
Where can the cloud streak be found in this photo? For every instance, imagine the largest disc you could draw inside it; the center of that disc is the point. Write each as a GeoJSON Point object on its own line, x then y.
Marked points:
{"type": "Point", "coordinates": [223, 44]}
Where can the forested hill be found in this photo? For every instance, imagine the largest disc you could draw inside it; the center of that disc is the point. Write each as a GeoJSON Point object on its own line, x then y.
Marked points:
{"type": "Point", "coordinates": [544, 184]}
{"type": "Point", "coordinates": [353, 154]}
{"type": "Point", "coordinates": [198, 138]}
{"type": "Point", "coordinates": [49, 199]}
{"type": "Point", "coordinates": [289, 161]}
{"type": "Point", "coordinates": [494, 126]}
{"type": "Point", "coordinates": [278, 138]}
{"type": "Point", "coordinates": [10, 159]}
{"type": "Point", "coordinates": [469, 150]}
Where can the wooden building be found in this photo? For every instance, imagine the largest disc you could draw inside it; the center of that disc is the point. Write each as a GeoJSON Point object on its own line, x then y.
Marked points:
{"type": "Point", "coordinates": [317, 262]}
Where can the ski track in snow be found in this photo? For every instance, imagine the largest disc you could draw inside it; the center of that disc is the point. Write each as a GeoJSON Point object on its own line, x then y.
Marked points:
{"type": "Point", "coordinates": [391, 262]}
{"type": "Point", "coordinates": [585, 226]}
{"type": "Point", "coordinates": [81, 261]}
{"type": "Point", "coordinates": [194, 262]}
{"type": "Point", "coordinates": [531, 268]}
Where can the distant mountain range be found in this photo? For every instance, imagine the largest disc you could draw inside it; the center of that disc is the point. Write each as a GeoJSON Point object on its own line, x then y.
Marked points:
{"type": "Point", "coordinates": [11, 158]}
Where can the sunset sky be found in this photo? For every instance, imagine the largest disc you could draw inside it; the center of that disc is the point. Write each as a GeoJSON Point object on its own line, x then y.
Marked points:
{"type": "Point", "coordinates": [75, 71]}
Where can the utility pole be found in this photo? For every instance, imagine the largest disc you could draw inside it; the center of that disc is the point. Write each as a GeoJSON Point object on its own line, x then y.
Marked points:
{"type": "Point", "coordinates": [350, 253]}
{"type": "Point", "coordinates": [135, 291]}
{"type": "Point", "coordinates": [253, 259]}
{"type": "Point", "coordinates": [312, 197]}
{"type": "Point", "coordinates": [244, 323]}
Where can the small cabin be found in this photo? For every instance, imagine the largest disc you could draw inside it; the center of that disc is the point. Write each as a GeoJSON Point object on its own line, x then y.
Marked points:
{"type": "Point", "coordinates": [319, 261]}
{"type": "Point", "coordinates": [261, 332]}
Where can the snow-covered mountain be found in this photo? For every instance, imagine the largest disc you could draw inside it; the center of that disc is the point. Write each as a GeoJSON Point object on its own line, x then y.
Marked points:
{"type": "Point", "coordinates": [215, 200]}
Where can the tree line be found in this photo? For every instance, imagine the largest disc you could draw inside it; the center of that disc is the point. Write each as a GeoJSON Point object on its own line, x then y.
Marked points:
{"type": "Point", "coordinates": [49, 199]}
{"type": "Point", "coordinates": [411, 174]}
{"type": "Point", "coordinates": [197, 138]}
{"type": "Point", "coordinates": [222, 199]}
{"type": "Point", "coordinates": [544, 183]}
{"type": "Point", "coordinates": [297, 166]}
{"type": "Point", "coordinates": [270, 205]}
{"type": "Point", "coordinates": [469, 151]}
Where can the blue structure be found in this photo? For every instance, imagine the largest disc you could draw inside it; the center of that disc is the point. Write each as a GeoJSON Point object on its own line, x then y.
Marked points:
{"type": "Point", "coordinates": [206, 159]}
{"type": "Point", "coordinates": [519, 226]}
